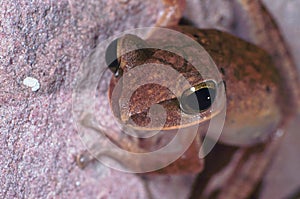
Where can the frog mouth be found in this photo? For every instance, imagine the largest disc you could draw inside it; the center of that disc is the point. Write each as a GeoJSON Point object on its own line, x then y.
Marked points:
{"type": "Point", "coordinates": [173, 119]}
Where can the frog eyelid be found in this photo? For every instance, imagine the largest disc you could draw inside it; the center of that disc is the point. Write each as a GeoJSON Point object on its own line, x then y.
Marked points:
{"type": "Point", "coordinates": [206, 84]}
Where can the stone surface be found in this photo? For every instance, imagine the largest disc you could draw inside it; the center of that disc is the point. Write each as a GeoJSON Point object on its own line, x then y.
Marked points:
{"type": "Point", "coordinates": [48, 40]}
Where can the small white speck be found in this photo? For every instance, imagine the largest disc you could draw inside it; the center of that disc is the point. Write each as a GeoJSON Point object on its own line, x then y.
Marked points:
{"type": "Point", "coordinates": [32, 83]}
{"type": "Point", "coordinates": [279, 133]}
{"type": "Point", "coordinates": [82, 159]}
{"type": "Point", "coordinates": [193, 89]}
{"type": "Point", "coordinates": [77, 183]}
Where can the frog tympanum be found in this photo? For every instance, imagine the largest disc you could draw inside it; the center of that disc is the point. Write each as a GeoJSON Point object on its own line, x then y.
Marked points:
{"type": "Point", "coordinates": [256, 95]}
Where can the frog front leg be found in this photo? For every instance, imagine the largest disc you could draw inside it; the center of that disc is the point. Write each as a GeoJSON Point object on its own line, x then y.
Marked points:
{"type": "Point", "coordinates": [108, 144]}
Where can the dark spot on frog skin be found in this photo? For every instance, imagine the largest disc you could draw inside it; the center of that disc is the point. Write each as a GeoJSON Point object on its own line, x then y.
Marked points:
{"type": "Point", "coordinates": [224, 82]}
{"type": "Point", "coordinates": [222, 71]}
{"type": "Point", "coordinates": [268, 89]}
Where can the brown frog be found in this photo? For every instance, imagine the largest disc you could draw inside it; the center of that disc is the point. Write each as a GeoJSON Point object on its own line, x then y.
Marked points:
{"type": "Point", "coordinates": [258, 84]}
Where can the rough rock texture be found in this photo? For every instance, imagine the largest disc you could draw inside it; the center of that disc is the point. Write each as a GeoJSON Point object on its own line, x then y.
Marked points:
{"type": "Point", "coordinates": [48, 40]}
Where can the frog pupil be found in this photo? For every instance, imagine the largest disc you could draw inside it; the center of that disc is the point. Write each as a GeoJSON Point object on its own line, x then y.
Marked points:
{"type": "Point", "coordinates": [111, 57]}
{"type": "Point", "coordinates": [205, 97]}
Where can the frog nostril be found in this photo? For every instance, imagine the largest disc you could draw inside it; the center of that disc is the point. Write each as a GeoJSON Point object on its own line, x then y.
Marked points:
{"type": "Point", "coordinates": [111, 57]}
{"type": "Point", "coordinates": [198, 98]}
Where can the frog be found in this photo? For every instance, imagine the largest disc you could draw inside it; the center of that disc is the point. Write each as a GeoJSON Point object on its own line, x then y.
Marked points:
{"type": "Point", "coordinates": [253, 127]}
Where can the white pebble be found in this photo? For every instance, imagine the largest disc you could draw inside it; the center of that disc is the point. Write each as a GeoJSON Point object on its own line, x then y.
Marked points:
{"type": "Point", "coordinates": [32, 83]}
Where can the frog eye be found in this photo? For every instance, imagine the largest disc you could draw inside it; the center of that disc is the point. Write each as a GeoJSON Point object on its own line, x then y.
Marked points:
{"type": "Point", "coordinates": [198, 98]}
{"type": "Point", "coordinates": [111, 57]}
